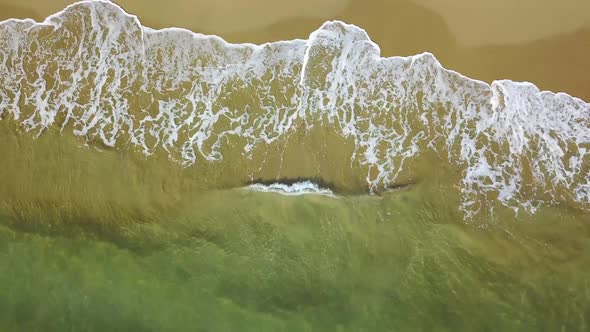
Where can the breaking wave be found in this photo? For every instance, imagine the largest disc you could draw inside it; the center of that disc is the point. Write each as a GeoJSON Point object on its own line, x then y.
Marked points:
{"type": "Point", "coordinates": [294, 189]}
{"type": "Point", "coordinates": [94, 70]}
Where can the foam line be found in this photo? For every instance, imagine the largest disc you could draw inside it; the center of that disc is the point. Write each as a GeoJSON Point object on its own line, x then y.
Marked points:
{"type": "Point", "coordinates": [294, 189]}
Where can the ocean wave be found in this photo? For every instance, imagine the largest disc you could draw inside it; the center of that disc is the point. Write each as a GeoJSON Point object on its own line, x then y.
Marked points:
{"type": "Point", "coordinates": [95, 70]}
{"type": "Point", "coordinates": [293, 189]}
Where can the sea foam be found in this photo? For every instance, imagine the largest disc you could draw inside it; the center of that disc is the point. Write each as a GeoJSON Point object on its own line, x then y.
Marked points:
{"type": "Point", "coordinates": [95, 70]}
{"type": "Point", "coordinates": [294, 189]}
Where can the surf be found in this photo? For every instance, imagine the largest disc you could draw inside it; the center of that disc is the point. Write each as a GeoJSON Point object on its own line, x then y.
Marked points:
{"type": "Point", "coordinates": [94, 71]}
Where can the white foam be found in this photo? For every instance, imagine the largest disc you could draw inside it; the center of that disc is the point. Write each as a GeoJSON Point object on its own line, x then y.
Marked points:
{"type": "Point", "coordinates": [295, 189]}
{"type": "Point", "coordinates": [118, 82]}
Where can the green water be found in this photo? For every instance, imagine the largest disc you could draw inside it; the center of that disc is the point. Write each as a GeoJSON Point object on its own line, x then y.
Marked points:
{"type": "Point", "coordinates": [244, 261]}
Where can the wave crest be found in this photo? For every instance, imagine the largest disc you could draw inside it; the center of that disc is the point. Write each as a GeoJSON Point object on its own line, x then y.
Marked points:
{"type": "Point", "coordinates": [94, 69]}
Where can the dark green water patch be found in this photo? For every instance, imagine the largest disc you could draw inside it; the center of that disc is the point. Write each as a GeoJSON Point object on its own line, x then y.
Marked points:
{"type": "Point", "coordinates": [241, 261]}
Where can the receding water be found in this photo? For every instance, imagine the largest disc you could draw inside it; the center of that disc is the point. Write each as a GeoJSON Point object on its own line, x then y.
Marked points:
{"type": "Point", "coordinates": [170, 180]}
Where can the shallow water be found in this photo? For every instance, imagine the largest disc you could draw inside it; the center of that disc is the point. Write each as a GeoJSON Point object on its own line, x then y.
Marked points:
{"type": "Point", "coordinates": [238, 260]}
{"type": "Point", "coordinates": [131, 155]}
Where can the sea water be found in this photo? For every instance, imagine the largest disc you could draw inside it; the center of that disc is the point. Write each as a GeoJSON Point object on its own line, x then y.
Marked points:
{"type": "Point", "coordinates": [128, 149]}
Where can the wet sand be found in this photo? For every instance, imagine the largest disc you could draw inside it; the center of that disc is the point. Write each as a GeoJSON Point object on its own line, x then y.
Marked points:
{"type": "Point", "coordinates": [544, 42]}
